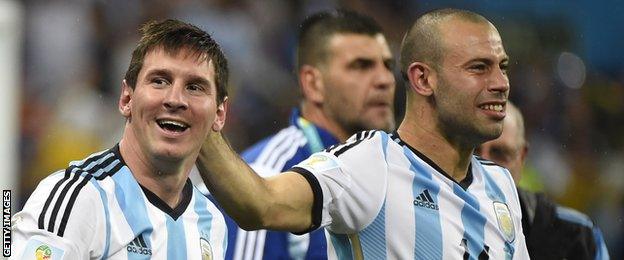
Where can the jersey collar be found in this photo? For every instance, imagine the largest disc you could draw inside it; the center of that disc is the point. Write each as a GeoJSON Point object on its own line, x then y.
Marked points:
{"type": "Point", "coordinates": [187, 193]}
{"type": "Point", "coordinates": [465, 183]}
{"type": "Point", "coordinates": [174, 213]}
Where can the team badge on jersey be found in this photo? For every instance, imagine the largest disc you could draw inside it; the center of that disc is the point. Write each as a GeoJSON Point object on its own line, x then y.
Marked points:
{"type": "Point", "coordinates": [206, 249]}
{"type": "Point", "coordinates": [39, 250]}
{"type": "Point", "coordinates": [505, 221]}
{"type": "Point", "coordinates": [319, 162]}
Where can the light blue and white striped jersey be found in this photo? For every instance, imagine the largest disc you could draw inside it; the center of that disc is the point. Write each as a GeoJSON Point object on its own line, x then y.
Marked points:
{"type": "Point", "coordinates": [95, 209]}
{"type": "Point", "coordinates": [381, 199]}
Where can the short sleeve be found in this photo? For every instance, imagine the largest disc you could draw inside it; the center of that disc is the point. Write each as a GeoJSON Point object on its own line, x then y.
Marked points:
{"type": "Point", "coordinates": [352, 181]}
{"type": "Point", "coordinates": [79, 217]}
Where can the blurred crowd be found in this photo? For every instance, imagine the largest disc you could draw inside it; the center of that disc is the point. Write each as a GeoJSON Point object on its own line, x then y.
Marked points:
{"type": "Point", "coordinates": [567, 77]}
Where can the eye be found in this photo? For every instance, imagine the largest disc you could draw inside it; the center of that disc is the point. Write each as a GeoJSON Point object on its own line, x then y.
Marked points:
{"type": "Point", "coordinates": [195, 88]}
{"type": "Point", "coordinates": [504, 67]}
{"type": "Point", "coordinates": [478, 67]}
{"type": "Point", "coordinates": [160, 82]}
{"type": "Point", "coordinates": [361, 64]}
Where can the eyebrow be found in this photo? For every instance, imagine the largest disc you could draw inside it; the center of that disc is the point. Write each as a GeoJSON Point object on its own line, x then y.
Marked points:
{"type": "Point", "coordinates": [487, 61]}
{"type": "Point", "coordinates": [158, 72]}
{"type": "Point", "coordinates": [190, 79]}
{"type": "Point", "coordinates": [200, 81]}
{"type": "Point", "coordinates": [370, 61]}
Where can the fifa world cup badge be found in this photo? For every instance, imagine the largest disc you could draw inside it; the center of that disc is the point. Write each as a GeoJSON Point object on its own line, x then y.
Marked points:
{"type": "Point", "coordinates": [319, 162]}
{"type": "Point", "coordinates": [206, 249]}
{"type": "Point", "coordinates": [505, 221]}
{"type": "Point", "coordinates": [43, 252]}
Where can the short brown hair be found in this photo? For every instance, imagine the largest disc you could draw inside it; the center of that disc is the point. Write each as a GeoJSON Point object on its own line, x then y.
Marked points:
{"type": "Point", "coordinates": [173, 35]}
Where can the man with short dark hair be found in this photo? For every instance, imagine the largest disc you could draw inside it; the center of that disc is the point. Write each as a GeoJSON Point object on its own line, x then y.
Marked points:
{"type": "Point", "coordinates": [417, 193]}
{"type": "Point", "coordinates": [135, 200]}
{"type": "Point", "coordinates": [344, 67]}
{"type": "Point", "coordinates": [551, 231]}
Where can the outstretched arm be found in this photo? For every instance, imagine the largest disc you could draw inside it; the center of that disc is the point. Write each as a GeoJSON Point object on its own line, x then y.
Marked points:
{"type": "Point", "coordinates": [282, 202]}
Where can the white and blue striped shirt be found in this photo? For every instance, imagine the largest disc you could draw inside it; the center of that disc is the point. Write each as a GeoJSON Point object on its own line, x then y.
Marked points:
{"type": "Point", "coordinates": [95, 209]}
{"type": "Point", "coordinates": [381, 199]}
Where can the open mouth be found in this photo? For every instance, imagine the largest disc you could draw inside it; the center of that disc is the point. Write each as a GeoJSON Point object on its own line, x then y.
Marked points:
{"type": "Point", "coordinates": [496, 108]}
{"type": "Point", "coordinates": [171, 125]}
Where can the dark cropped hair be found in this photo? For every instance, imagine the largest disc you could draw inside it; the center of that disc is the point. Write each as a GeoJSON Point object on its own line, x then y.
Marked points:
{"type": "Point", "coordinates": [423, 41]}
{"type": "Point", "coordinates": [172, 36]}
{"type": "Point", "coordinates": [315, 31]}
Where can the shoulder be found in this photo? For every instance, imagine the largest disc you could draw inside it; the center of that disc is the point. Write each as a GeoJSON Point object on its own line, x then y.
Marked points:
{"type": "Point", "coordinates": [272, 155]}
{"type": "Point", "coordinates": [484, 161]}
{"type": "Point", "coordinates": [72, 195]}
{"type": "Point", "coordinates": [499, 173]}
{"type": "Point", "coordinates": [573, 216]}
{"type": "Point", "coordinates": [370, 141]}
{"type": "Point", "coordinates": [64, 212]}
{"type": "Point", "coordinates": [362, 151]}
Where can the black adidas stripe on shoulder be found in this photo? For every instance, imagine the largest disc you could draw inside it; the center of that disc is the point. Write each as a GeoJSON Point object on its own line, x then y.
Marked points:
{"type": "Point", "coordinates": [337, 150]}
{"type": "Point", "coordinates": [58, 185]}
{"type": "Point", "coordinates": [72, 199]}
{"type": "Point", "coordinates": [76, 173]}
{"type": "Point", "coordinates": [486, 162]}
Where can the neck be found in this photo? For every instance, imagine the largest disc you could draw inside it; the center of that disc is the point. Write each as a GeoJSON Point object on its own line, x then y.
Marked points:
{"type": "Point", "coordinates": [315, 115]}
{"type": "Point", "coordinates": [422, 133]}
{"type": "Point", "coordinates": [164, 178]}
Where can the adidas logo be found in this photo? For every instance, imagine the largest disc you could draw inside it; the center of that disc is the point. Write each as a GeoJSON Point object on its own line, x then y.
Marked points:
{"type": "Point", "coordinates": [138, 246]}
{"type": "Point", "coordinates": [424, 200]}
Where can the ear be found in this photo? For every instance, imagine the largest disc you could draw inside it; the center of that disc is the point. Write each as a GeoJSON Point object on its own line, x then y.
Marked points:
{"type": "Point", "coordinates": [219, 120]}
{"type": "Point", "coordinates": [421, 78]}
{"type": "Point", "coordinates": [312, 85]}
{"type": "Point", "coordinates": [125, 99]}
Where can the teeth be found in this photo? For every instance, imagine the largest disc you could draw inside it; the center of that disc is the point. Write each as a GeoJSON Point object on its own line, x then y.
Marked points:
{"type": "Point", "coordinates": [497, 108]}
{"type": "Point", "coordinates": [175, 123]}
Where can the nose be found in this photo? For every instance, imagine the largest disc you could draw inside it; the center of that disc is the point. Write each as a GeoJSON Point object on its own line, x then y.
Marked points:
{"type": "Point", "coordinates": [499, 81]}
{"type": "Point", "coordinates": [175, 98]}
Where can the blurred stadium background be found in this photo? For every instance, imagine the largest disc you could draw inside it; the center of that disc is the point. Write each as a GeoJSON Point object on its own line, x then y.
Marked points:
{"type": "Point", "coordinates": [63, 61]}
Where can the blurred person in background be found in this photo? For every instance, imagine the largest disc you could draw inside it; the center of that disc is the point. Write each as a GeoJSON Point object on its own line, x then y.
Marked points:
{"type": "Point", "coordinates": [344, 67]}
{"type": "Point", "coordinates": [135, 200]}
{"type": "Point", "coordinates": [551, 231]}
{"type": "Point", "coordinates": [417, 193]}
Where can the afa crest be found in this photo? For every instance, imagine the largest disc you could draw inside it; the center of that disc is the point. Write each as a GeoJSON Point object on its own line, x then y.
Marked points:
{"type": "Point", "coordinates": [505, 221]}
